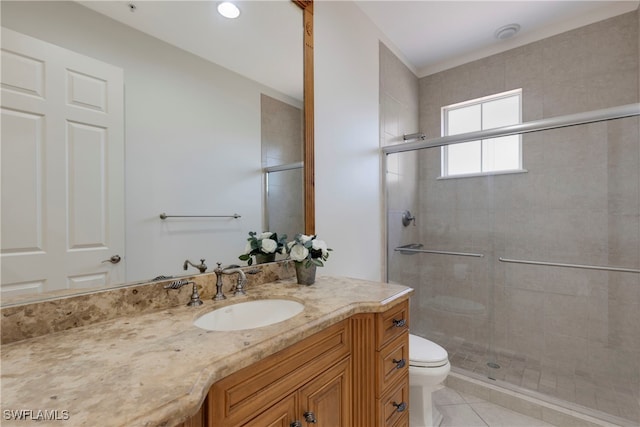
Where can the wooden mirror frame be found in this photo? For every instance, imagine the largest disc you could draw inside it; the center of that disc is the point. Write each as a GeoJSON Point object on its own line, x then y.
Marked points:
{"type": "Point", "coordinates": [309, 165]}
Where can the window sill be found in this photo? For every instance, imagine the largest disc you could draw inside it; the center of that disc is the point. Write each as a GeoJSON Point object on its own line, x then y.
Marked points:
{"type": "Point", "coordinates": [478, 174]}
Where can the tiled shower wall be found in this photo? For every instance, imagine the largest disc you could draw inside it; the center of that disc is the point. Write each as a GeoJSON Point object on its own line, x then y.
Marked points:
{"type": "Point", "coordinates": [282, 127]}
{"type": "Point", "coordinates": [578, 202]}
{"type": "Point", "coordinates": [399, 116]}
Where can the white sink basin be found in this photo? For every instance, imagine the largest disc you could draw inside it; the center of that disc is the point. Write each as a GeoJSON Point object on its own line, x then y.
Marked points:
{"type": "Point", "coordinates": [249, 315]}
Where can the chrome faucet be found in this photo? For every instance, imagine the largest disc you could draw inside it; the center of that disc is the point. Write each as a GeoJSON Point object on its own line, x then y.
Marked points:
{"type": "Point", "coordinates": [242, 279]}
{"type": "Point", "coordinates": [195, 297]}
{"type": "Point", "coordinates": [219, 294]}
{"type": "Point", "coordinates": [202, 266]}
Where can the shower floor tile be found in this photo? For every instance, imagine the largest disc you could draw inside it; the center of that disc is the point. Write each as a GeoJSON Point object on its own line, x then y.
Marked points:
{"type": "Point", "coordinates": [577, 388]}
{"type": "Point", "coordinates": [461, 410]}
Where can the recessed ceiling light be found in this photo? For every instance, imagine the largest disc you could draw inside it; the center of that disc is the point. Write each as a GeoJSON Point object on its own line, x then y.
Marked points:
{"type": "Point", "coordinates": [228, 10]}
{"type": "Point", "coordinates": [507, 31]}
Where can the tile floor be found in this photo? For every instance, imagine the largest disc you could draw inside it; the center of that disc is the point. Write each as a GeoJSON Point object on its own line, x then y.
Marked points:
{"type": "Point", "coordinates": [462, 410]}
{"type": "Point", "coordinates": [617, 398]}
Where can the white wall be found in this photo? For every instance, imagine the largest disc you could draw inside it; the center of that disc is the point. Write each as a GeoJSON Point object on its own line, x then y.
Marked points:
{"type": "Point", "coordinates": [348, 186]}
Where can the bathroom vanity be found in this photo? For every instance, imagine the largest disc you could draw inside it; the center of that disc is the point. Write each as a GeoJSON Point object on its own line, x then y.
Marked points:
{"type": "Point", "coordinates": [343, 361]}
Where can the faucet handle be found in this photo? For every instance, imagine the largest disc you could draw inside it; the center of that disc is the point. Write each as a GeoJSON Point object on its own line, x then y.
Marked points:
{"type": "Point", "coordinates": [195, 297]}
{"type": "Point", "coordinates": [176, 284]}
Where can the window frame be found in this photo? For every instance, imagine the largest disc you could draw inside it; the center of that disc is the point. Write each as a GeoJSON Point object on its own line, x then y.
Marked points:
{"type": "Point", "coordinates": [444, 151]}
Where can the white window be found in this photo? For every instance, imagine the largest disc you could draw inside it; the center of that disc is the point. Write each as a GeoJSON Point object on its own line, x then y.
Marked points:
{"type": "Point", "coordinates": [487, 156]}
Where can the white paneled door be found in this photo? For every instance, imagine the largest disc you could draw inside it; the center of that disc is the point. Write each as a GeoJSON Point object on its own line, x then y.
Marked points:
{"type": "Point", "coordinates": [62, 155]}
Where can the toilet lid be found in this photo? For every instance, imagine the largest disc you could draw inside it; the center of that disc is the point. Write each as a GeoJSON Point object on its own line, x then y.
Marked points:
{"type": "Point", "coordinates": [425, 353]}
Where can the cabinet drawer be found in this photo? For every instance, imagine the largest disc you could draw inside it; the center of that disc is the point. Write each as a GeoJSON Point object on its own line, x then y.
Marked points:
{"type": "Point", "coordinates": [392, 323]}
{"type": "Point", "coordinates": [279, 415]}
{"type": "Point", "coordinates": [237, 398]}
{"type": "Point", "coordinates": [392, 362]}
{"type": "Point", "coordinates": [395, 403]}
{"type": "Point", "coordinates": [403, 421]}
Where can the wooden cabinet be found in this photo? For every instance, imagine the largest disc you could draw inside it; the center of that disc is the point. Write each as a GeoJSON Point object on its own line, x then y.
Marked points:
{"type": "Point", "coordinates": [323, 402]}
{"type": "Point", "coordinates": [278, 415]}
{"type": "Point", "coordinates": [328, 397]}
{"type": "Point", "coordinates": [381, 345]}
{"type": "Point", "coordinates": [354, 373]}
{"type": "Point", "coordinates": [309, 380]}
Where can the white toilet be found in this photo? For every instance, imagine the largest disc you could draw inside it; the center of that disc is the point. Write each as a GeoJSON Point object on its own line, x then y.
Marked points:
{"type": "Point", "coordinates": [428, 368]}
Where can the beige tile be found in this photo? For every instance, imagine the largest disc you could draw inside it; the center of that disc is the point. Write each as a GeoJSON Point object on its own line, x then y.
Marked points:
{"type": "Point", "coordinates": [460, 416]}
{"type": "Point", "coordinates": [565, 98]}
{"type": "Point", "coordinates": [565, 314]}
{"type": "Point", "coordinates": [497, 416]}
{"type": "Point", "coordinates": [470, 398]}
{"type": "Point", "coordinates": [566, 419]}
{"type": "Point", "coordinates": [618, 32]}
{"type": "Point", "coordinates": [447, 396]}
{"type": "Point", "coordinates": [564, 57]}
{"type": "Point", "coordinates": [610, 89]}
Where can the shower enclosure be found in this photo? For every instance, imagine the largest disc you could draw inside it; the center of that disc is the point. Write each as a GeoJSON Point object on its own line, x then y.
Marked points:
{"type": "Point", "coordinates": [530, 280]}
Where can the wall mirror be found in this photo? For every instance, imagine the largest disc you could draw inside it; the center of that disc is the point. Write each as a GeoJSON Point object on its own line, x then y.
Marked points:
{"type": "Point", "coordinates": [192, 136]}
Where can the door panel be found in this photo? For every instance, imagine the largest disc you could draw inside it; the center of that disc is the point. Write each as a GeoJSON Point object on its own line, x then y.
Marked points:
{"type": "Point", "coordinates": [62, 168]}
{"type": "Point", "coordinates": [22, 228]}
{"type": "Point", "coordinates": [328, 397]}
{"type": "Point", "coordinates": [282, 414]}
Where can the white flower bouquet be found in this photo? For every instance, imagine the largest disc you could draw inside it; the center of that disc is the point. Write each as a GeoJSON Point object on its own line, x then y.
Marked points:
{"type": "Point", "coordinates": [308, 250]}
{"type": "Point", "coordinates": [266, 243]}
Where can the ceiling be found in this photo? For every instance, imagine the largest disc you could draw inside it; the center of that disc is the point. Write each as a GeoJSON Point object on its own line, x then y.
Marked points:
{"type": "Point", "coordinates": [437, 35]}
{"type": "Point", "coordinates": [265, 43]}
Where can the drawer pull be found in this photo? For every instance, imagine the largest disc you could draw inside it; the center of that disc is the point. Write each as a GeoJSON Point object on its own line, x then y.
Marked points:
{"type": "Point", "coordinates": [400, 407]}
{"type": "Point", "coordinates": [296, 423]}
{"type": "Point", "coordinates": [399, 363]}
{"type": "Point", "coordinates": [399, 323]}
{"type": "Point", "coordinates": [310, 417]}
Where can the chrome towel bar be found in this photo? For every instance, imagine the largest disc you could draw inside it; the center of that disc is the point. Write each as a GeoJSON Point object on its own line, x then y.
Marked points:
{"type": "Point", "coordinates": [403, 249]}
{"type": "Point", "coordinates": [165, 216]}
{"type": "Point", "coordinates": [558, 264]}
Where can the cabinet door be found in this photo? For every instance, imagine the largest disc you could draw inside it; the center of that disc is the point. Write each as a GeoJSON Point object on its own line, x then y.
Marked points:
{"type": "Point", "coordinates": [325, 400]}
{"type": "Point", "coordinates": [282, 414]}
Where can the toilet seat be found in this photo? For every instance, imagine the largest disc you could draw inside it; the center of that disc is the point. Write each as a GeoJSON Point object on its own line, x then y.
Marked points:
{"type": "Point", "coordinates": [426, 354]}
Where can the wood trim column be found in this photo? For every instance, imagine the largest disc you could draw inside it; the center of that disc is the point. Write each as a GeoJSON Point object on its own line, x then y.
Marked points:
{"type": "Point", "coordinates": [363, 357]}
{"type": "Point", "coordinates": [309, 160]}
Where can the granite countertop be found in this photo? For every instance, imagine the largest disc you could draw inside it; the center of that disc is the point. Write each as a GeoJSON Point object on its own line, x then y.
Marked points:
{"type": "Point", "coordinates": [155, 369]}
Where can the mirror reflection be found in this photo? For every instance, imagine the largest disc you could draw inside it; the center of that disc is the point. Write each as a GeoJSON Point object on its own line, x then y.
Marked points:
{"type": "Point", "coordinates": [194, 139]}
